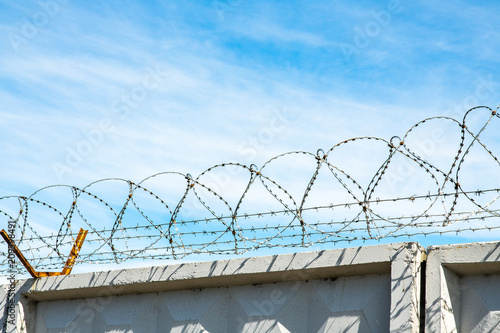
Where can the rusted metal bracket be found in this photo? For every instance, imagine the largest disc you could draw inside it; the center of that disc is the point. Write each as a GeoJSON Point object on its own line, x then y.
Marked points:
{"type": "Point", "coordinates": [69, 263]}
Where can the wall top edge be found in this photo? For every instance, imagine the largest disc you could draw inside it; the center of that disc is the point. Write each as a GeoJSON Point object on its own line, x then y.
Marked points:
{"type": "Point", "coordinates": [373, 259]}
{"type": "Point", "coordinates": [464, 246]}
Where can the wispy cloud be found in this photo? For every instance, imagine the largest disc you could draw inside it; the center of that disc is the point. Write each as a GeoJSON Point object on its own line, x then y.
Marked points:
{"type": "Point", "coordinates": [267, 79]}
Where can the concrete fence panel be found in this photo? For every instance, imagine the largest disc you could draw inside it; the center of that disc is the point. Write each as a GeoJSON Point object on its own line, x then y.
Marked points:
{"type": "Point", "coordinates": [463, 288]}
{"type": "Point", "coordinates": [364, 289]}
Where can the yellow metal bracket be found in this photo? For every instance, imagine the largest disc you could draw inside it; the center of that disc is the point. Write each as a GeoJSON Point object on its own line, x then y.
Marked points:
{"type": "Point", "coordinates": [69, 263]}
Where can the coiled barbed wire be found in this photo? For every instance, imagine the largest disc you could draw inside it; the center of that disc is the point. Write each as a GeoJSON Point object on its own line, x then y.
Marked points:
{"type": "Point", "coordinates": [296, 199]}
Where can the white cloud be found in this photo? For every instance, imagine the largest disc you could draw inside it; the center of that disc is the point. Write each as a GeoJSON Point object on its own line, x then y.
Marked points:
{"type": "Point", "coordinates": [217, 101]}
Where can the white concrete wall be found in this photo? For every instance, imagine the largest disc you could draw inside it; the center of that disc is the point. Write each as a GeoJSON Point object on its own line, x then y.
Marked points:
{"type": "Point", "coordinates": [356, 304]}
{"type": "Point", "coordinates": [463, 288]}
{"type": "Point", "coordinates": [365, 289]}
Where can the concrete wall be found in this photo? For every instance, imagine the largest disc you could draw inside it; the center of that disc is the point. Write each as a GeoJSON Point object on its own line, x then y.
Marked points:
{"type": "Point", "coordinates": [366, 289]}
{"type": "Point", "coordinates": [463, 288]}
{"type": "Point", "coordinates": [316, 306]}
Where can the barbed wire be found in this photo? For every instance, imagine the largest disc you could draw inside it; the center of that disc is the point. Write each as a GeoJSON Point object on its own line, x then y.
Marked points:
{"type": "Point", "coordinates": [402, 187]}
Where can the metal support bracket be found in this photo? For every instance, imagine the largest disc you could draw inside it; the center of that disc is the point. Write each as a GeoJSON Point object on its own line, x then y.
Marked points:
{"type": "Point", "coordinates": [69, 263]}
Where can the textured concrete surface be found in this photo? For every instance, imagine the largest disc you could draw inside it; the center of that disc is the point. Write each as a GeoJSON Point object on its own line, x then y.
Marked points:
{"type": "Point", "coordinates": [356, 304]}
{"type": "Point", "coordinates": [364, 289]}
{"type": "Point", "coordinates": [462, 288]}
{"type": "Point", "coordinates": [25, 309]}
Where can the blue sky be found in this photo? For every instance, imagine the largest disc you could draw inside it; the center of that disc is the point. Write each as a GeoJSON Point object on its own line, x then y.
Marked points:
{"type": "Point", "coordinates": [128, 89]}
